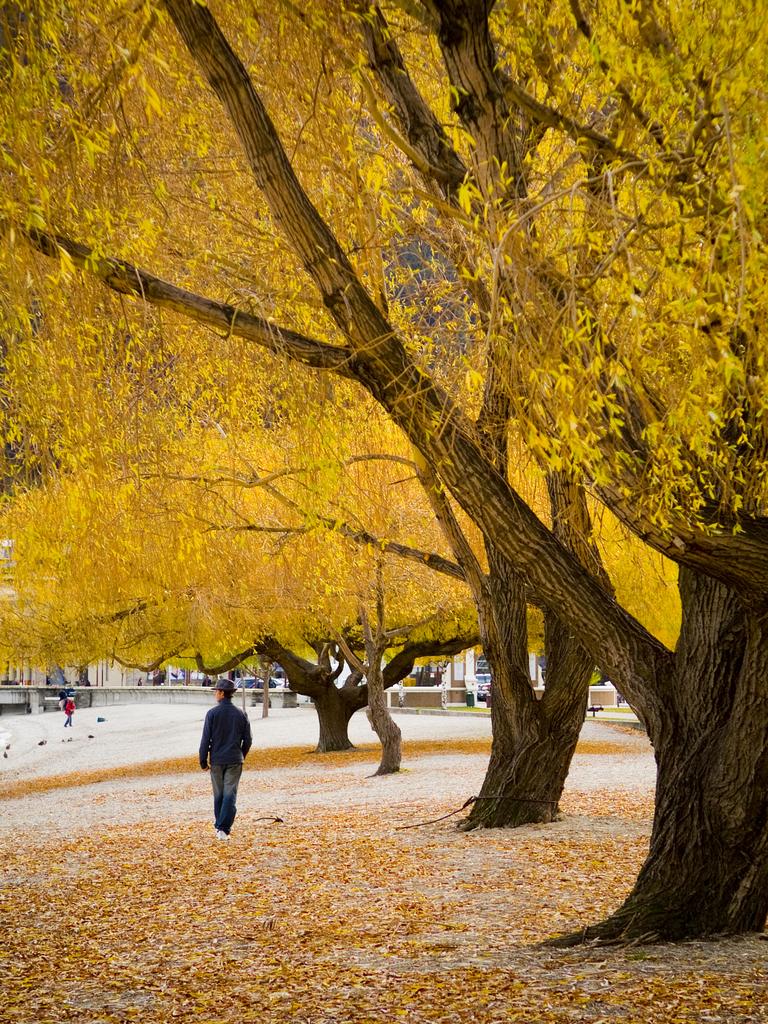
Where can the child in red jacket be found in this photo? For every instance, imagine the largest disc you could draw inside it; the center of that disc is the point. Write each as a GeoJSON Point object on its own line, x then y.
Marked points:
{"type": "Point", "coordinates": [69, 710]}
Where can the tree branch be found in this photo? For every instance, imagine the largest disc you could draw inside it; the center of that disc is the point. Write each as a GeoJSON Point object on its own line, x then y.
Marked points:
{"type": "Point", "coordinates": [425, 558]}
{"type": "Point", "coordinates": [352, 659]}
{"type": "Point", "coordinates": [126, 279]}
{"type": "Point", "coordinates": [471, 570]}
{"type": "Point", "coordinates": [151, 666]}
{"type": "Point", "coordinates": [402, 663]}
{"type": "Point", "coordinates": [654, 128]}
{"type": "Point", "coordinates": [431, 152]}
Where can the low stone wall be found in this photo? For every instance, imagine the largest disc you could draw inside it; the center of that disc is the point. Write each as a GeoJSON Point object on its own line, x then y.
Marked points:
{"type": "Point", "coordinates": [425, 696]}
{"type": "Point", "coordinates": [16, 699]}
{"type": "Point", "coordinates": [101, 696]}
{"type": "Point", "coordinates": [277, 698]}
{"type": "Point", "coordinates": [36, 699]}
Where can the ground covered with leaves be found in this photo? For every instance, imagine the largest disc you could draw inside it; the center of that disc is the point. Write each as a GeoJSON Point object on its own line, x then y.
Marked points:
{"type": "Point", "coordinates": [119, 905]}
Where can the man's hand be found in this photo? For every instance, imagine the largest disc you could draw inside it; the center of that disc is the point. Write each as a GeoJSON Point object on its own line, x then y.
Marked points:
{"type": "Point", "coordinates": [204, 767]}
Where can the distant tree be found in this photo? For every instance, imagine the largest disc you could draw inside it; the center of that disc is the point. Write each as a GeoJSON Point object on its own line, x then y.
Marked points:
{"type": "Point", "coordinates": [227, 568]}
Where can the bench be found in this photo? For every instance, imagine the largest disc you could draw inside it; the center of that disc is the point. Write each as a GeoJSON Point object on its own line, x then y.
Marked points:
{"type": "Point", "coordinates": [594, 708]}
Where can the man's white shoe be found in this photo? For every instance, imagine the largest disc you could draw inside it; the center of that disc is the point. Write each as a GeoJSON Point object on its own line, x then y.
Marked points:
{"type": "Point", "coordinates": [222, 835]}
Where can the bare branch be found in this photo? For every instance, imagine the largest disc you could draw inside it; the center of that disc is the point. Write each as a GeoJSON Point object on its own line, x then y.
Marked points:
{"type": "Point", "coordinates": [552, 118]}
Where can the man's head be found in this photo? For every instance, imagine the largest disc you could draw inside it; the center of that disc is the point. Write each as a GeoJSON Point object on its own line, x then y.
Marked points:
{"type": "Point", "coordinates": [223, 689]}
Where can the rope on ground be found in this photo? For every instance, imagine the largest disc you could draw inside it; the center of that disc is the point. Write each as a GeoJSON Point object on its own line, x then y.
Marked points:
{"type": "Point", "coordinates": [473, 800]}
{"type": "Point", "coordinates": [268, 818]}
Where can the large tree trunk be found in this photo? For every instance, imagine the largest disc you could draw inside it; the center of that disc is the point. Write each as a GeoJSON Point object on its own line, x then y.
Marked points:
{"type": "Point", "coordinates": [533, 741]}
{"type": "Point", "coordinates": [707, 867]}
{"type": "Point", "coordinates": [533, 746]}
{"type": "Point", "coordinates": [334, 711]}
{"type": "Point", "coordinates": [508, 797]}
{"type": "Point", "coordinates": [525, 777]}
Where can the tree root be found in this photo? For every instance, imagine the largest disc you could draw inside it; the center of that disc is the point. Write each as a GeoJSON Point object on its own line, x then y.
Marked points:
{"type": "Point", "coordinates": [332, 749]}
{"type": "Point", "coordinates": [612, 932]}
{"type": "Point", "coordinates": [516, 813]}
{"type": "Point", "coordinates": [384, 771]}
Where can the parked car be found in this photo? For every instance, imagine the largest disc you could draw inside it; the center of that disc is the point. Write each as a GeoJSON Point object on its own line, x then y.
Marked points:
{"type": "Point", "coordinates": [483, 686]}
{"type": "Point", "coordinates": [257, 684]}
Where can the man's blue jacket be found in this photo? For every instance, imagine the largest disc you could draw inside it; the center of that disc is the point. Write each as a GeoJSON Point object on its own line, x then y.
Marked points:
{"type": "Point", "coordinates": [226, 735]}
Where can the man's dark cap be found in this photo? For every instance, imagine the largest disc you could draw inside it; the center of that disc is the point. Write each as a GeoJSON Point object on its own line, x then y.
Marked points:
{"type": "Point", "coordinates": [225, 685]}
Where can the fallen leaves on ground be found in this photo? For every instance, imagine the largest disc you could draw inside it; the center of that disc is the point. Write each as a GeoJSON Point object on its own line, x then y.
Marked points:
{"type": "Point", "coordinates": [266, 759]}
{"type": "Point", "coordinates": [336, 917]}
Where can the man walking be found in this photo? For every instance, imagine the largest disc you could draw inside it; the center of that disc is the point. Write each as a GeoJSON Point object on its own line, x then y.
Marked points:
{"type": "Point", "coordinates": [224, 745]}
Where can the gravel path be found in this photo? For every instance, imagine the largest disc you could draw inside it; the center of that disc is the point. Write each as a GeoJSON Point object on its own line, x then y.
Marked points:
{"type": "Point", "coordinates": [373, 921]}
{"type": "Point", "coordinates": [135, 734]}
